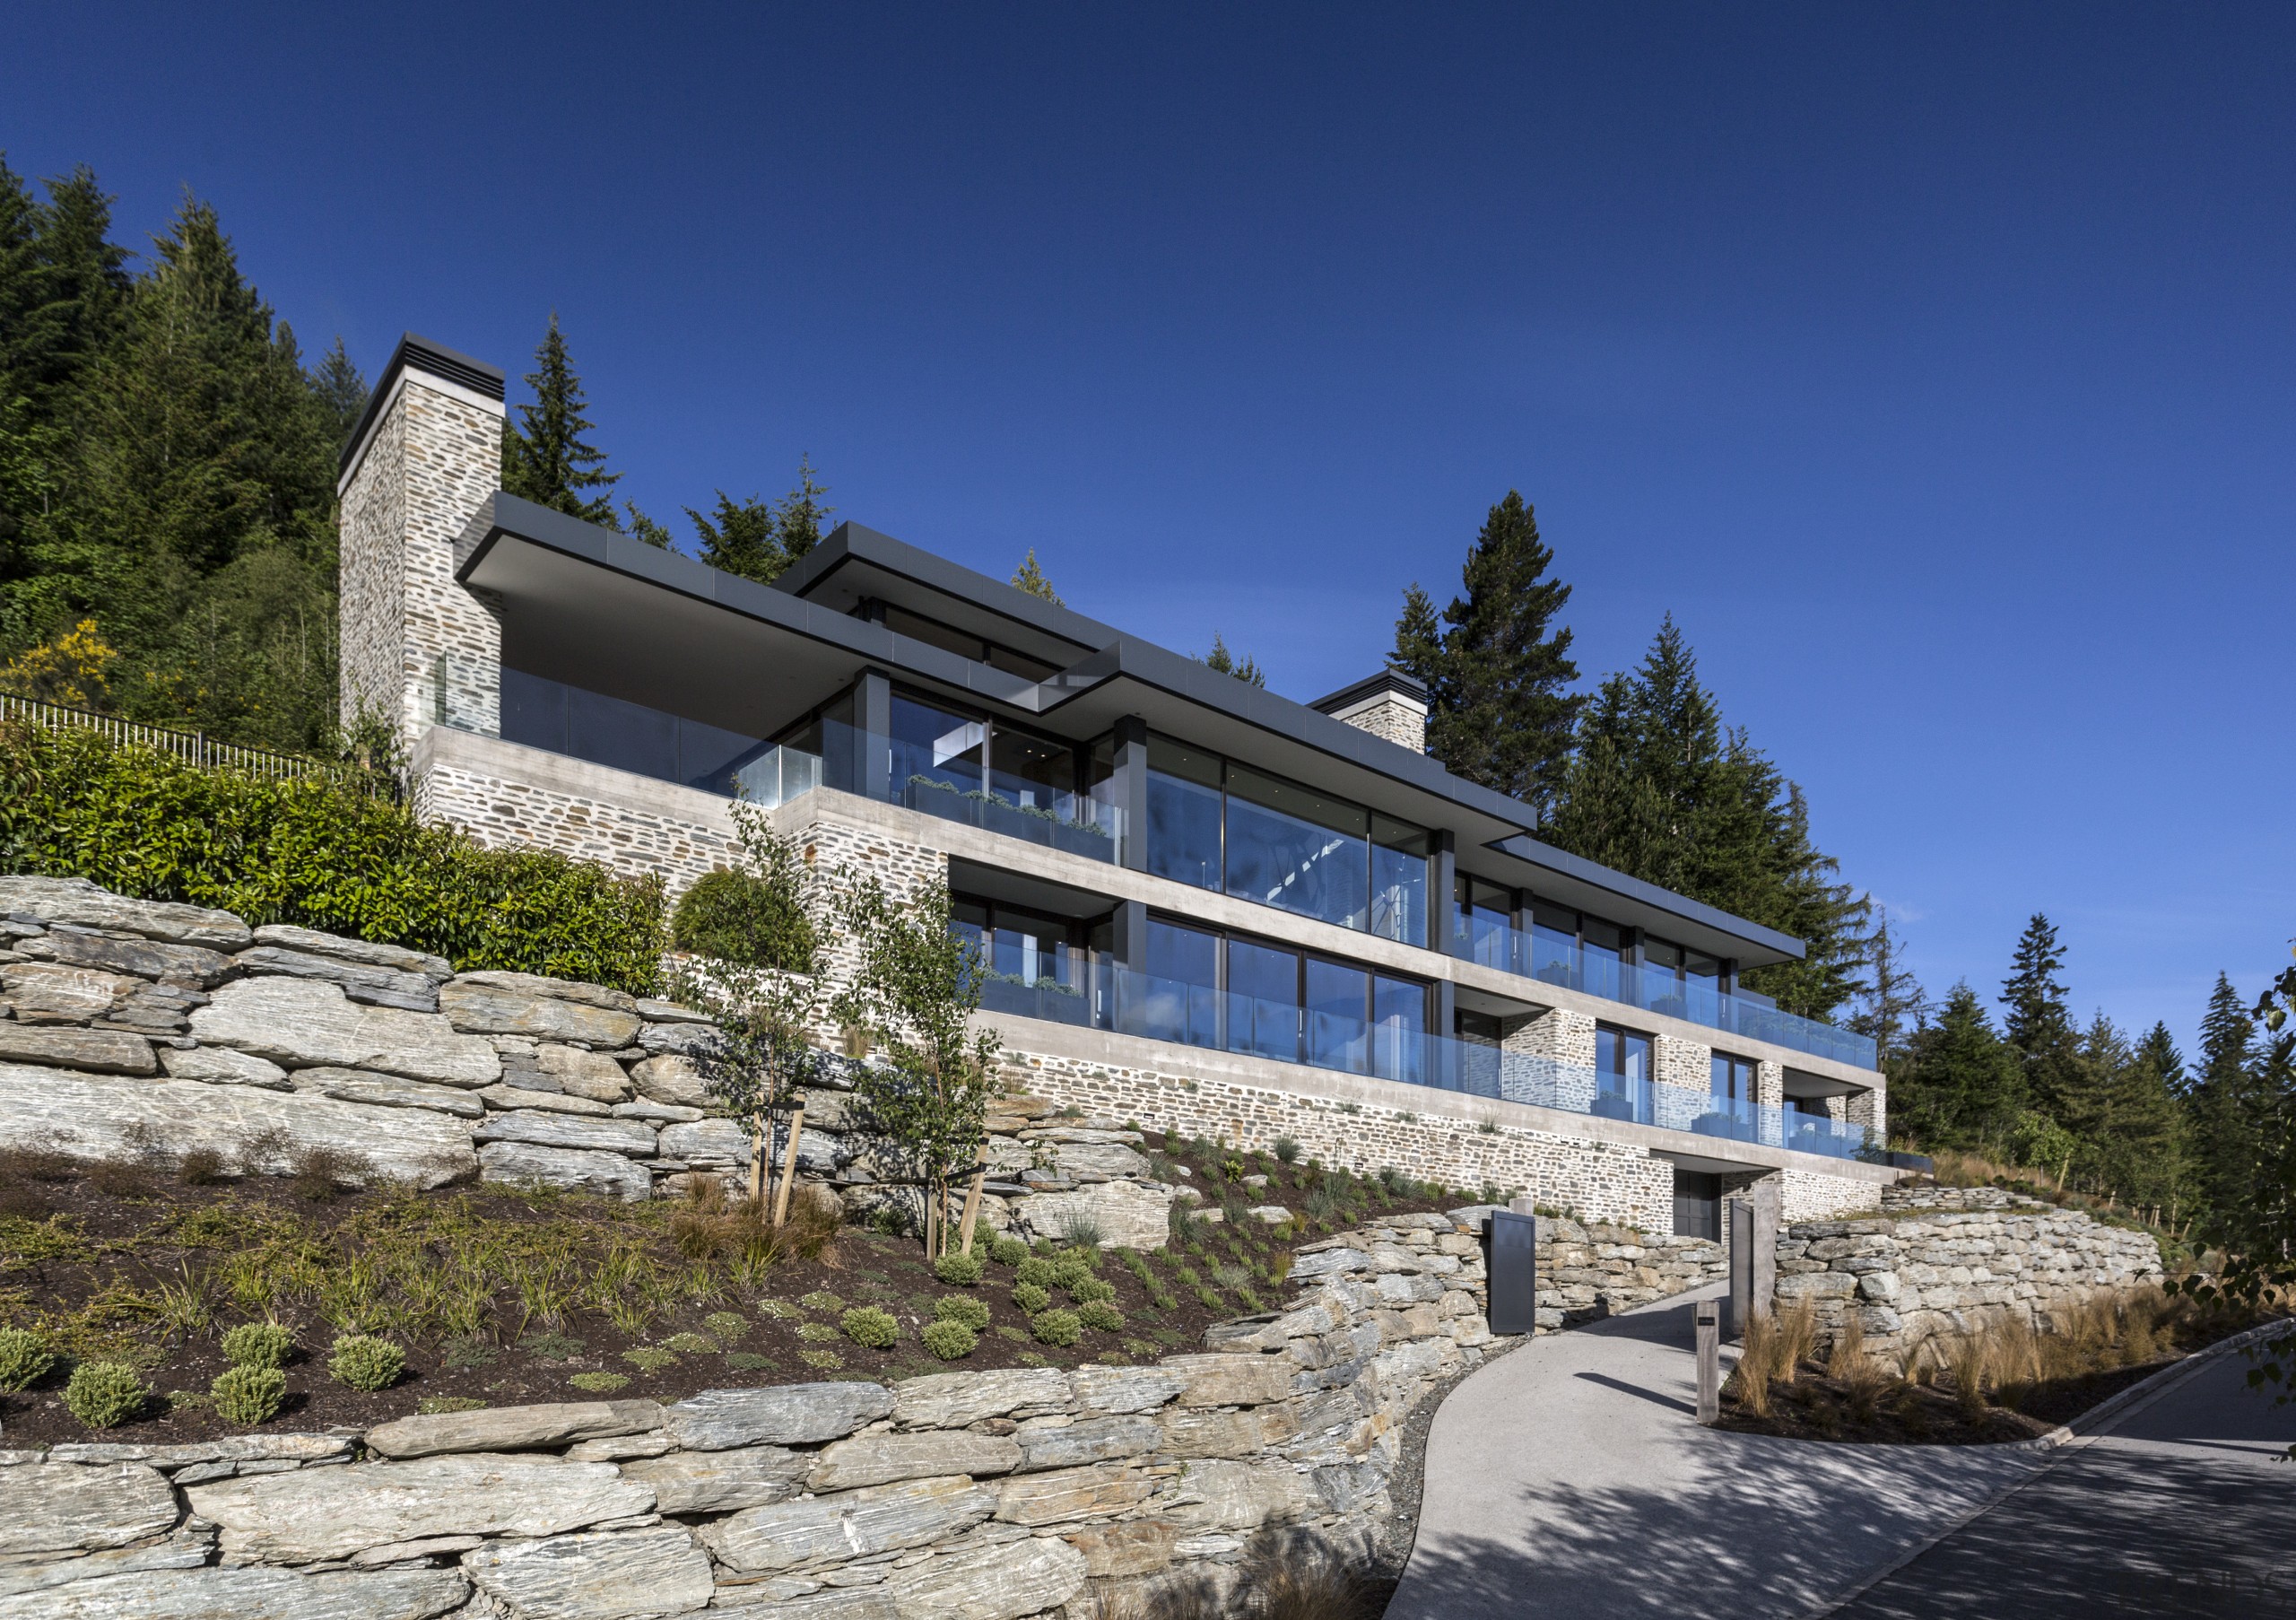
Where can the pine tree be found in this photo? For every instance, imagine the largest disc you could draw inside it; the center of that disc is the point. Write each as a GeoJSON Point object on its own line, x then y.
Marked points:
{"type": "Point", "coordinates": [2220, 1103]}
{"type": "Point", "coordinates": [1892, 1006]}
{"type": "Point", "coordinates": [2142, 1148]}
{"type": "Point", "coordinates": [1660, 789]}
{"type": "Point", "coordinates": [1960, 1087]}
{"type": "Point", "coordinates": [799, 520]}
{"type": "Point", "coordinates": [1496, 673]}
{"type": "Point", "coordinates": [644, 529]}
{"type": "Point", "coordinates": [548, 461]}
{"type": "Point", "coordinates": [1246, 670]}
{"type": "Point", "coordinates": [2037, 1022]}
{"type": "Point", "coordinates": [1031, 579]}
{"type": "Point", "coordinates": [741, 538]}
{"type": "Point", "coordinates": [342, 391]}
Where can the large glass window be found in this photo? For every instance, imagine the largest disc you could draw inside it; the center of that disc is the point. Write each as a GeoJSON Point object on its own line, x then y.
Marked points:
{"type": "Point", "coordinates": [1733, 1083]}
{"type": "Point", "coordinates": [1183, 989]}
{"type": "Point", "coordinates": [934, 749]}
{"type": "Point", "coordinates": [1601, 956]}
{"type": "Point", "coordinates": [1338, 1026]}
{"type": "Point", "coordinates": [1622, 1055]}
{"type": "Point", "coordinates": [1184, 804]}
{"type": "Point", "coordinates": [1262, 1001]}
{"type": "Point", "coordinates": [1289, 847]}
{"type": "Point", "coordinates": [1032, 772]}
{"type": "Point", "coordinates": [1483, 922]}
{"type": "Point", "coordinates": [1399, 1028]}
{"type": "Point", "coordinates": [1555, 945]}
{"type": "Point", "coordinates": [1399, 854]}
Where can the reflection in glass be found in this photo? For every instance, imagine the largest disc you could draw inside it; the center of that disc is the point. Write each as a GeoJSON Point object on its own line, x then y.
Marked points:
{"type": "Point", "coordinates": [1183, 815]}
{"type": "Point", "coordinates": [933, 750]}
{"type": "Point", "coordinates": [1399, 1028]}
{"type": "Point", "coordinates": [1337, 1035]}
{"type": "Point", "coordinates": [1262, 1001]}
{"type": "Point", "coordinates": [1298, 850]}
{"type": "Point", "coordinates": [1399, 881]}
{"type": "Point", "coordinates": [1181, 1001]}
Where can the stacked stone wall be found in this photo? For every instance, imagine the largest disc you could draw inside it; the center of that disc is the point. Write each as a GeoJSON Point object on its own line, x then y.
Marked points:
{"type": "Point", "coordinates": [1944, 1262]}
{"type": "Point", "coordinates": [990, 1495]}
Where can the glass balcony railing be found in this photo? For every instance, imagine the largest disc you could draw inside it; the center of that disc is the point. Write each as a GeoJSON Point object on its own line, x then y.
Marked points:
{"type": "Point", "coordinates": [1559, 960]}
{"type": "Point", "coordinates": [1099, 994]}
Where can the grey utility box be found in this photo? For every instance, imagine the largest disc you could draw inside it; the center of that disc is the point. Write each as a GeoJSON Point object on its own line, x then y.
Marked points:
{"type": "Point", "coordinates": [1512, 1242]}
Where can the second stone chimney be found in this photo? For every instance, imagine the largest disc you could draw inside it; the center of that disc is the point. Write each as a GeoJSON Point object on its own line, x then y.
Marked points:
{"type": "Point", "coordinates": [1390, 705]}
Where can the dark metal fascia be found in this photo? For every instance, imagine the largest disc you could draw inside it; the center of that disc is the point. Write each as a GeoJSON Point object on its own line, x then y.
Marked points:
{"type": "Point", "coordinates": [421, 354]}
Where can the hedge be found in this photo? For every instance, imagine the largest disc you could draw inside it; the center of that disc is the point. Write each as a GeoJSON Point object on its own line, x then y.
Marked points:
{"type": "Point", "coordinates": [335, 853]}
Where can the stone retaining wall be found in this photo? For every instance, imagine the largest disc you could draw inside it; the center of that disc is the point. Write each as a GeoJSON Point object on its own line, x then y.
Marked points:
{"type": "Point", "coordinates": [1951, 1260]}
{"type": "Point", "coordinates": [1590, 1271]}
{"type": "Point", "coordinates": [989, 1495]}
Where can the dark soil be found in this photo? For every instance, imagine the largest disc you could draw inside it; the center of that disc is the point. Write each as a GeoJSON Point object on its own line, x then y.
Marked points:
{"type": "Point", "coordinates": [90, 1257]}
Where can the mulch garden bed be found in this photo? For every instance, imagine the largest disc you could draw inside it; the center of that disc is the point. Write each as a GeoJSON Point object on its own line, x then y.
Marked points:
{"type": "Point", "coordinates": [499, 1296]}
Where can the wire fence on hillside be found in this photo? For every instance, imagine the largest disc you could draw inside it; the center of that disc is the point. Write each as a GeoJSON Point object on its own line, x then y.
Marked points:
{"type": "Point", "coordinates": [193, 746]}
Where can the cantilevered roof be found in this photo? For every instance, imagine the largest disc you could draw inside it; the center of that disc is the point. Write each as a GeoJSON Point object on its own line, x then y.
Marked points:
{"type": "Point", "coordinates": [684, 637]}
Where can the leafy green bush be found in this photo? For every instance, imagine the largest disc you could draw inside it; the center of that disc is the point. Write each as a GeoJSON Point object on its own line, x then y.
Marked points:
{"type": "Point", "coordinates": [103, 1394]}
{"type": "Point", "coordinates": [868, 1326]}
{"type": "Point", "coordinates": [1084, 1290]}
{"type": "Point", "coordinates": [247, 1394]}
{"type": "Point", "coordinates": [949, 1340]}
{"type": "Point", "coordinates": [1031, 1298]}
{"type": "Point", "coordinates": [1101, 1314]}
{"type": "Point", "coordinates": [756, 919]}
{"type": "Point", "coordinates": [1007, 1251]}
{"type": "Point", "coordinates": [963, 1307]}
{"type": "Point", "coordinates": [24, 1358]}
{"type": "Point", "coordinates": [332, 853]}
{"type": "Point", "coordinates": [959, 1270]}
{"type": "Point", "coordinates": [366, 1363]}
{"type": "Point", "coordinates": [1036, 1271]}
{"type": "Point", "coordinates": [1070, 1271]}
{"type": "Point", "coordinates": [1056, 1328]}
{"type": "Point", "coordinates": [258, 1345]}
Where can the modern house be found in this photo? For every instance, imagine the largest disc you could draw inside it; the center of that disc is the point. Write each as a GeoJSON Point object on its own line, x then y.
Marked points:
{"type": "Point", "coordinates": [1205, 906]}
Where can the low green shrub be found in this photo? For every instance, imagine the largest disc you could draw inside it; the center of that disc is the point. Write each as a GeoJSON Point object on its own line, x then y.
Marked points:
{"type": "Point", "coordinates": [249, 1394]}
{"type": "Point", "coordinates": [949, 1341]}
{"type": "Point", "coordinates": [364, 1362]}
{"type": "Point", "coordinates": [1031, 1298]}
{"type": "Point", "coordinates": [691, 1344]}
{"type": "Point", "coordinates": [103, 1394]}
{"type": "Point", "coordinates": [822, 1300]}
{"type": "Point", "coordinates": [1072, 1272]}
{"type": "Point", "coordinates": [1037, 1272]}
{"type": "Point", "coordinates": [258, 1345]}
{"type": "Point", "coordinates": [961, 1307]}
{"type": "Point", "coordinates": [599, 1383]}
{"type": "Point", "coordinates": [748, 1361]}
{"type": "Point", "coordinates": [1084, 1290]}
{"type": "Point", "coordinates": [959, 1270]}
{"type": "Point", "coordinates": [334, 852]}
{"type": "Point", "coordinates": [1101, 1315]}
{"type": "Point", "coordinates": [726, 1327]}
{"type": "Point", "coordinates": [650, 1358]}
{"type": "Point", "coordinates": [870, 1327]}
{"type": "Point", "coordinates": [438, 1406]}
{"type": "Point", "coordinates": [1006, 1250]}
{"type": "Point", "coordinates": [25, 1358]}
{"type": "Point", "coordinates": [756, 919]}
{"type": "Point", "coordinates": [817, 1332]}
{"type": "Point", "coordinates": [1059, 1327]}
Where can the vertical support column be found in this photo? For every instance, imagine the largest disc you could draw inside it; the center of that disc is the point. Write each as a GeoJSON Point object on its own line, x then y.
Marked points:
{"type": "Point", "coordinates": [873, 720]}
{"type": "Point", "coordinates": [1442, 888]}
{"type": "Point", "coordinates": [1132, 790]}
{"type": "Point", "coordinates": [1443, 1051]}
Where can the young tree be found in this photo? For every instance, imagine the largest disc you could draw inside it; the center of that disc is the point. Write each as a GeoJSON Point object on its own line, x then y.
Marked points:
{"type": "Point", "coordinates": [1495, 668]}
{"type": "Point", "coordinates": [1246, 670]}
{"type": "Point", "coordinates": [913, 993]}
{"type": "Point", "coordinates": [1960, 1087]}
{"type": "Point", "coordinates": [645, 530]}
{"type": "Point", "coordinates": [1031, 579]}
{"type": "Point", "coordinates": [2142, 1147]}
{"type": "Point", "coordinates": [1892, 1006]}
{"type": "Point", "coordinates": [548, 460]}
{"type": "Point", "coordinates": [2221, 1099]}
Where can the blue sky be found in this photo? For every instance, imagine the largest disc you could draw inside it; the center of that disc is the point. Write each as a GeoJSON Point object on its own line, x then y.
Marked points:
{"type": "Point", "coordinates": [1930, 365]}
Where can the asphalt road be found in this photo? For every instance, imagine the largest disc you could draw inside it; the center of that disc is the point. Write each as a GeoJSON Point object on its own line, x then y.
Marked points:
{"type": "Point", "coordinates": [2181, 1508]}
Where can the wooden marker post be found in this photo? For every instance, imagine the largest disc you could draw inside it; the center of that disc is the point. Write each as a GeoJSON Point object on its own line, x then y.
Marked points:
{"type": "Point", "coordinates": [1709, 1361]}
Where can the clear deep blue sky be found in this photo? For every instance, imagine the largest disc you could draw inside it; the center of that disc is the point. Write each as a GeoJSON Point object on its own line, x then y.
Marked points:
{"type": "Point", "coordinates": [1930, 365]}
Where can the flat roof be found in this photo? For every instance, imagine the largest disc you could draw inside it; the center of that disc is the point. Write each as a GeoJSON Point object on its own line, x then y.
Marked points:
{"type": "Point", "coordinates": [686, 635]}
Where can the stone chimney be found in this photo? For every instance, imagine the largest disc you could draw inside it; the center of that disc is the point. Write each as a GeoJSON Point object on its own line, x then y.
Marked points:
{"type": "Point", "coordinates": [417, 649]}
{"type": "Point", "coordinates": [1390, 705]}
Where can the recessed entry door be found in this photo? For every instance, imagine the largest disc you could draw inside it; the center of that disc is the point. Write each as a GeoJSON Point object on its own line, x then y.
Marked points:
{"type": "Point", "coordinates": [1698, 1205]}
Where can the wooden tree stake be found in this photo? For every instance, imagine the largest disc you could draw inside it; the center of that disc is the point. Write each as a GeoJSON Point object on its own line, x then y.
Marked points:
{"type": "Point", "coordinates": [788, 1167]}
{"type": "Point", "coordinates": [972, 1209]}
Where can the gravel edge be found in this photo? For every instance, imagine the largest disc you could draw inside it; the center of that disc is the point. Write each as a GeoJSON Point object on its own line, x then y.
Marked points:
{"type": "Point", "coordinates": [1392, 1544]}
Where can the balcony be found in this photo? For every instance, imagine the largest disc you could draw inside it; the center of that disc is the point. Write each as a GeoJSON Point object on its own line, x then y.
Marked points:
{"type": "Point", "coordinates": [1100, 993]}
{"type": "Point", "coordinates": [1557, 960]}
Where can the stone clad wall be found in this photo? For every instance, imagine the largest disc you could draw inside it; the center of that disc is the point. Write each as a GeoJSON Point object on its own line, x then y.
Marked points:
{"type": "Point", "coordinates": [1950, 1260]}
{"type": "Point", "coordinates": [989, 1495]}
{"type": "Point", "coordinates": [1590, 1271]}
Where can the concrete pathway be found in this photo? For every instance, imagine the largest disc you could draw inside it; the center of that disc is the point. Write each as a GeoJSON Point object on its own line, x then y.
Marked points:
{"type": "Point", "coordinates": [1571, 1478]}
{"type": "Point", "coordinates": [2176, 1507]}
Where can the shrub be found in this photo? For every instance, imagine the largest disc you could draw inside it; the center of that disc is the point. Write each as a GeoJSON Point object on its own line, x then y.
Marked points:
{"type": "Point", "coordinates": [200, 1167]}
{"type": "Point", "coordinates": [248, 1395]}
{"type": "Point", "coordinates": [821, 1300]}
{"type": "Point", "coordinates": [103, 1394]}
{"type": "Point", "coordinates": [24, 1358]}
{"type": "Point", "coordinates": [1086, 1289]}
{"type": "Point", "coordinates": [870, 1327]}
{"type": "Point", "coordinates": [319, 1172]}
{"type": "Point", "coordinates": [1056, 1328]}
{"type": "Point", "coordinates": [364, 1362]}
{"type": "Point", "coordinates": [1006, 1250]}
{"type": "Point", "coordinates": [120, 1178]}
{"type": "Point", "coordinates": [948, 1341]}
{"type": "Point", "coordinates": [963, 1308]}
{"type": "Point", "coordinates": [599, 1383]}
{"type": "Point", "coordinates": [726, 1327]}
{"type": "Point", "coordinates": [748, 1361]}
{"type": "Point", "coordinates": [258, 1345]}
{"type": "Point", "coordinates": [1101, 1314]}
{"type": "Point", "coordinates": [438, 1406]}
{"type": "Point", "coordinates": [691, 1344]}
{"type": "Point", "coordinates": [1031, 1298]}
{"type": "Point", "coordinates": [1036, 1272]}
{"type": "Point", "coordinates": [753, 919]}
{"type": "Point", "coordinates": [959, 1270]}
{"type": "Point", "coordinates": [332, 852]}
{"type": "Point", "coordinates": [650, 1358]}
{"type": "Point", "coordinates": [1287, 1150]}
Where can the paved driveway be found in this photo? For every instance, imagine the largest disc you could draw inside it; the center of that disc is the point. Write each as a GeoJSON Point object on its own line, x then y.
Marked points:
{"type": "Point", "coordinates": [1572, 1479]}
{"type": "Point", "coordinates": [2180, 1508]}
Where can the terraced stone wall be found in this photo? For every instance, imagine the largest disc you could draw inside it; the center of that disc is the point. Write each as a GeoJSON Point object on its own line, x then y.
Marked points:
{"type": "Point", "coordinates": [990, 1495]}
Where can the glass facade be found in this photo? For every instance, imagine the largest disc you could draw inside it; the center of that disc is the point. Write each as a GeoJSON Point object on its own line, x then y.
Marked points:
{"type": "Point", "coordinates": [582, 725]}
{"type": "Point", "coordinates": [1216, 824]}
